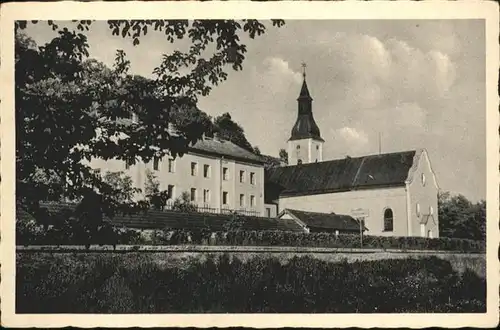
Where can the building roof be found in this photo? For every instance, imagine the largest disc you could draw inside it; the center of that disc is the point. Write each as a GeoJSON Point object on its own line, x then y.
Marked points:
{"type": "Point", "coordinates": [154, 219]}
{"type": "Point", "coordinates": [324, 220]}
{"type": "Point", "coordinates": [220, 147]}
{"type": "Point", "coordinates": [373, 171]}
{"type": "Point", "coordinates": [305, 127]}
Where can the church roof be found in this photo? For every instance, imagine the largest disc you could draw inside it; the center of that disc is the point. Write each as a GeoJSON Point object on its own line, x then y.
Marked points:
{"type": "Point", "coordinates": [304, 92]}
{"type": "Point", "coordinates": [366, 172]}
{"type": "Point", "coordinates": [228, 149]}
{"type": "Point", "coordinates": [324, 220]}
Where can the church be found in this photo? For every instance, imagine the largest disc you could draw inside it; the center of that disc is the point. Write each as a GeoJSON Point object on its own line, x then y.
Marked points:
{"type": "Point", "coordinates": [395, 194]}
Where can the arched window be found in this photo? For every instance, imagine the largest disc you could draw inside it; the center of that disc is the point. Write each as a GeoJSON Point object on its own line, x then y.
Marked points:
{"type": "Point", "coordinates": [298, 147]}
{"type": "Point", "coordinates": [299, 162]}
{"type": "Point", "coordinates": [388, 220]}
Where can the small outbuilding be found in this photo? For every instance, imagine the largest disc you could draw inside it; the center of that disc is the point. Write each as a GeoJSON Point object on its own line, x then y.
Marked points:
{"type": "Point", "coordinates": [323, 222]}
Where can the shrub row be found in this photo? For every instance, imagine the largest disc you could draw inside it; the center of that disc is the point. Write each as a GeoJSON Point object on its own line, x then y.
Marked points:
{"type": "Point", "coordinates": [110, 284]}
{"type": "Point", "coordinates": [107, 235]}
{"type": "Point", "coordinates": [325, 240]}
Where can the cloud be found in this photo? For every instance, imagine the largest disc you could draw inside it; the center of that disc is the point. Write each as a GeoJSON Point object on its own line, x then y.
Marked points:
{"type": "Point", "coordinates": [278, 70]}
{"type": "Point", "coordinates": [352, 135]}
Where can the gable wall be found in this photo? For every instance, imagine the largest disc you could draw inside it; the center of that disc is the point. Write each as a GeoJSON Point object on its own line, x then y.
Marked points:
{"type": "Point", "coordinates": [426, 197]}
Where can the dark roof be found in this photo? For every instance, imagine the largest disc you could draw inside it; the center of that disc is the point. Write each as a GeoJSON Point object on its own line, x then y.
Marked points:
{"type": "Point", "coordinates": [305, 127]}
{"type": "Point", "coordinates": [346, 174]}
{"type": "Point", "coordinates": [225, 148]}
{"type": "Point", "coordinates": [304, 92]}
{"type": "Point", "coordinates": [325, 220]}
{"type": "Point", "coordinates": [153, 219]}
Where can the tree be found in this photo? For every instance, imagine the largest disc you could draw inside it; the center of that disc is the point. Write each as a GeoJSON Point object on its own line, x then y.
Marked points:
{"type": "Point", "coordinates": [70, 109]}
{"type": "Point", "coordinates": [460, 218]}
{"type": "Point", "coordinates": [283, 156]}
{"type": "Point", "coordinates": [156, 198]}
{"type": "Point", "coordinates": [122, 185]}
{"type": "Point", "coordinates": [229, 130]}
{"type": "Point", "coordinates": [183, 203]}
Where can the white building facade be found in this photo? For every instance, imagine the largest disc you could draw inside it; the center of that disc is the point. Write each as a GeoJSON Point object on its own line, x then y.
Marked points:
{"type": "Point", "coordinates": [218, 176]}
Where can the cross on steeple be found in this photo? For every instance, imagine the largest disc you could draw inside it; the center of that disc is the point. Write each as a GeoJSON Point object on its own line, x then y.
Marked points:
{"type": "Point", "coordinates": [304, 65]}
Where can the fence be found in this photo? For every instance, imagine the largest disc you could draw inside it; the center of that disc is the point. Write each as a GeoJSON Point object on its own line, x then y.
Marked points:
{"type": "Point", "coordinates": [208, 209]}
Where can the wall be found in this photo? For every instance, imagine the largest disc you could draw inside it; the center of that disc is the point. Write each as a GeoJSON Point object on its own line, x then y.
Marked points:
{"type": "Point", "coordinates": [425, 195]}
{"type": "Point", "coordinates": [374, 200]}
{"type": "Point", "coordinates": [183, 181]}
{"type": "Point", "coordinates": [295, 154]}
{"type": "Point", "coordinates": [273, 210]}
{"type": "Point", "coordinates": [247, 188]}
{"type": "Point", "coordinates": [310, 150]}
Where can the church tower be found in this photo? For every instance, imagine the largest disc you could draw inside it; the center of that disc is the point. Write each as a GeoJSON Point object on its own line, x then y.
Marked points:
{"type": "Point", "coordinates": [305, 144]}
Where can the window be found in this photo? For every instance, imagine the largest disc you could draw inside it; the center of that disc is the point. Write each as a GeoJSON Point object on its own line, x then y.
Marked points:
{"type": "Point", "coordinates": [194, 169]}
{"type": "Point", "coordinates": [171, 164]}
{"type": "Point", "coordinates": [193, 194]}
{"type": "Point", "coordinates": [156, 162]}
{"type": "Point", "coordinates": [268, 212]}
{"type": "Point", "coordinates": [206, 195]}
{"type": "Point", "coordinates": [252, 177]}
{"type": "Point", "coordinates": [299, 162]}
{"type": "Point", "coordinates": [242, 200]}
{"type": "Point", "coordinates": [429, 234]}
{"type": "Point", "coordinates": [252, 200]}
{"type": "Point", "coordinates": [418, 209]}
{"type": "Point", "coordinates": [423, 179]}
{"type": "Point", "coordinates": [242, 176]}
{"type": "Point", "coordinates": [225, 173]}
{"type": "Point", "coordinates": [206, 171]}
{"type": "Point", "coordinates": [431, 210]}
{"type": "Point", "coordinates": [388, 220]}
{"type": "Point", "coordinates": [224, 197]}
{"type": "Point", "coordinates": [170, 191]}
{"type": "Point", "coordinates": [317, 147]}
{"type": "Point", "coordinates": [298, 147]}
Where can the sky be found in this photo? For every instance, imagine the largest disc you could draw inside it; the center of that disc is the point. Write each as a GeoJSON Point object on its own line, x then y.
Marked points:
{"type": "Point", "coordinates": [417, 83]}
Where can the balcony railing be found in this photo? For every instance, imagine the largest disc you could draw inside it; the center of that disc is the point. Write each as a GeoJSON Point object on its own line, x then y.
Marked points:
{"type": "Point", "coordinates": [208, 209]}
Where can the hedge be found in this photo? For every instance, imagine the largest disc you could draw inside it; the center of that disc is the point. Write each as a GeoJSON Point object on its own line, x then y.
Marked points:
{"type": "Point", "coordinates": [324, 240]}
{"type": "Point", "coordinates": [134, 284]}
{"type": "Point", "coordinates": [114, 236]}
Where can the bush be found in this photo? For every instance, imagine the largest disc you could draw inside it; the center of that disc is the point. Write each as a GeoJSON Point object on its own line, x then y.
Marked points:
{"type": "Point", "coordinates": [105, 284]}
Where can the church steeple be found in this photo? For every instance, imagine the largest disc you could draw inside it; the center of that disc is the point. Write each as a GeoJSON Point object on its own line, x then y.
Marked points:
{"type": "Point", "coordinates": [305, 126]}
{"type": "Point", "coordinates": [305, 144]}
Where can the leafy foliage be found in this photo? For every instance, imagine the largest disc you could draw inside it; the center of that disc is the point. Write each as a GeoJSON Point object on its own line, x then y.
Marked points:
{"type": "Point", "coordinates": [283, 156]}
{"type": "Point", "coordinates": [91, 284]}
{"type": "Point", "coordinates": [460, 218]}
{"type": "Point", "coordinates": [229, 130]}
{"type": "Point", "coordinates": [157, 198]}
{"type": "Point", "coordinates": [183, 203]}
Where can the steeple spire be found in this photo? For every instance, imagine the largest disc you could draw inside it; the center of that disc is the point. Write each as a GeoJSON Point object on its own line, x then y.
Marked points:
{"type": "Point", "coordinates": [304, 91]}
{"type": "Point", "coordinates": [305, 126]}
